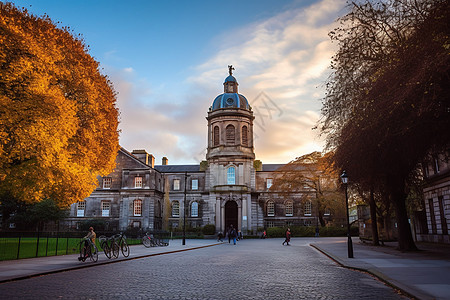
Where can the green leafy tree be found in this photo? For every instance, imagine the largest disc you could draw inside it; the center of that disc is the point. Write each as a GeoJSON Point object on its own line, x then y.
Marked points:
{"type": "Point", "coordinates": [387, 101]}
{"type": "Point", "coordinates": [58, 115]}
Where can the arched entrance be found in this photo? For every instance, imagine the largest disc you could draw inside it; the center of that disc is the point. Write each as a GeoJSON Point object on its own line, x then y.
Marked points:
{"type": "Point", "coordinates": [231, 214]}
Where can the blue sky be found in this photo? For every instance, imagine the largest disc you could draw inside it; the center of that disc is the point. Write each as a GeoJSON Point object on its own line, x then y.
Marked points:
{"type": "Point", "coordinates": [168, 59]}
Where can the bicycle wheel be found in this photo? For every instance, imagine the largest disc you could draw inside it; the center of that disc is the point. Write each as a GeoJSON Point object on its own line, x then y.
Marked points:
{"type": "Point", "coordinates": [94, 253]}
{"type": "Point", "coordinates": [106, 249]}
{"type": "Point", "coordinates": [146, 241]}
{"type": "Point", "coordinates": [82, 251]}
{"type": "Point", "coordinates": [125, 248]}
{"type": "Point", "coordinates": [115, 249]}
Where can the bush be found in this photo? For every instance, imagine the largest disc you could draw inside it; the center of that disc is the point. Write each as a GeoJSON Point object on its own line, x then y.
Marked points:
{"type": "Point", "coordinates": [209, 229]}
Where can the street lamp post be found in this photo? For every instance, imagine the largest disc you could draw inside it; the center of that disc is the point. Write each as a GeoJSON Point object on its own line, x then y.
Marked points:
{"type": "Point", "coordinates": [344, 178]}
{"type": "Point", "coordinates": [184, 210]}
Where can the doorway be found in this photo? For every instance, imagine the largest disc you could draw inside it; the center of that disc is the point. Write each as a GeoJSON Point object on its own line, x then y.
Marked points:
{"type": "Point", "coordinates": [231, 214]}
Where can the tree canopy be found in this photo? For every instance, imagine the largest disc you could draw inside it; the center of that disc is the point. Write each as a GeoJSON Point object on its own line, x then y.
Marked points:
{"type": "Point", "coordinates": [387, 101]}
{"type": "Point", "coordinates": [58, 115]}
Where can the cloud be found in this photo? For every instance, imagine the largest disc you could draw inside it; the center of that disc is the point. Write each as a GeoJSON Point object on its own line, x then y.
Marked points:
{"type": "Point", "coordinates": [286, 57]}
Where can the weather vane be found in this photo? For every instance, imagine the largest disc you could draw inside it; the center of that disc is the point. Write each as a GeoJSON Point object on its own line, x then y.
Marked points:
{"type": "Point", "coordinates": [230, 69]}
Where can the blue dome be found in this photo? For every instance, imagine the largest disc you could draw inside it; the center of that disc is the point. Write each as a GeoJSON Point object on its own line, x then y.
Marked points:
{"type": "Point", "coordinates": [230, 100]}
{"type": "Point", "coordinates": [230, 78]}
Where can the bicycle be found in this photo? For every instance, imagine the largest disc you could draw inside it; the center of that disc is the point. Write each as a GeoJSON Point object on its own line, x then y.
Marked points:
{"type": "Point", "coordinates": [109, 246]}
{"type": "Point", "coordinates": [149, 240]}
{"type": "Point", "coordinates": [121, 240]}
{"type": "Point", "coordinates": [88, 249]}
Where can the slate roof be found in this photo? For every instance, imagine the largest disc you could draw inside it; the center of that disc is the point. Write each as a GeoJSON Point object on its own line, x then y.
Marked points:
{"type": "Point", "coordinates": [177, 168]}
{"type": "Point", "coordinates": [271, 167]}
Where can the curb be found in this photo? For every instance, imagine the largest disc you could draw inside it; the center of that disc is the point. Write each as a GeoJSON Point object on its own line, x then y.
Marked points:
{"type": "Point", "coordinates": [94, 264]}
{"type": "Point", "coordinates": [380, 276]}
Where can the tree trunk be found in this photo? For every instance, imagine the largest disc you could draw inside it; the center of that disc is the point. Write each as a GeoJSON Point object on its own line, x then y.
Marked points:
{"type": "Point", "coordinates": [373, 218]}
{"type": "Point", "coordinates": [405, 239]}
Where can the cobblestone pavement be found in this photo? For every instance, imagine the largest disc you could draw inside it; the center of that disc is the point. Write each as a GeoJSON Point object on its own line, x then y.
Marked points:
{"type": "Point", "coordinates": [253, 269]}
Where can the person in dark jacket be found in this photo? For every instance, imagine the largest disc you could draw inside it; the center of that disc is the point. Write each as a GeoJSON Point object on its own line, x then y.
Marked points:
{"type": "Point", "coordinates": [232, 234]}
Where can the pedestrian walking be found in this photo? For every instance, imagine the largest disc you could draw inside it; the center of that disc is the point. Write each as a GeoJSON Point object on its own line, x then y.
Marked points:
{"type": "Point", "coordinates": [232, 234]}
{"type": "Point", "coordinates": [288, 237]}
{"type": "Point", "coordinates": [220, 237]}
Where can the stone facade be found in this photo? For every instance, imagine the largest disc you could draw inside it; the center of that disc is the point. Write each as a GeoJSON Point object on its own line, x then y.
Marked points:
{"type": "Point", "coordinates": [225, 189]}
{"type": "Point", "coordinates": [432, 224]}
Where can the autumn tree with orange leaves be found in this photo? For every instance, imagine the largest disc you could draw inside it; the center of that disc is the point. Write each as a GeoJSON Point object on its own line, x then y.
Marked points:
{"type": "Point", "coordinates": [58, 114]}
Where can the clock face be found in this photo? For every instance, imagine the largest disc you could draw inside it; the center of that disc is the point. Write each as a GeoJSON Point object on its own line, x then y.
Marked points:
{"type": "Point", "coordinates": [230, 101]}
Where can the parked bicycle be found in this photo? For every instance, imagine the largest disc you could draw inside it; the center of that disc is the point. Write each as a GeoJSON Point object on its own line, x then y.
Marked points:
{"type": "Point", "coordinates": [88, 250]}
{"type": "Point", "coordinates": [109, 246]}
{"type": "Point", "coordinates": [149, 240]}
{"type": "Point", "coordinates": [121, 240]}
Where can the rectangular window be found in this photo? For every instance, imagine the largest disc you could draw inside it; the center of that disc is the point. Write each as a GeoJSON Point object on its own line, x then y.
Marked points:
{"type": "Point", "coordinates": [327, 212]}
{"type": "Point", "coordinates": [194, 184]}
{"type": "Point", "coordinates": [269, 182]}
{"type": "Point", "coordinates": [442, 215]}
{"type": "Point", "coordinates": [81, 206]}
{"type": "Point", "coordinates": [308, 208]}
{"type": "Point", "coordinates": [138, 182]}
{"type": "Point", "coordinates": [270, 209]}
{"type": "Point", "coordinates": [137, 208]}
{"type": "Point", "coordinates": [107, 182]}
{"type": "Point", "coordinates": [231, 175]}
{"type": "Point", "coordinates": [176, 184]}
{"type": "Point", "coordinates": [194, 209]}
{"type": "Point", "coordinates": [270, 224]}
{"type": "Point", "coordinates": [175, 209]}
{"type": "Point", "coordinates": [432, 216]}
{"type": "Point", "coordinates": [106, 207]}
{"type": "Point", "coordinates": [136, 224]}
{"type": "Point", "coordinates": [289, 209]}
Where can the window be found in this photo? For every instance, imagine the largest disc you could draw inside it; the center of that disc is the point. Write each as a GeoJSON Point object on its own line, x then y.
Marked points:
{"type": "Point", "coordinates": [175, 209]}
{"type": "Point", "coordinates": [270, 209]}
{"type": "Point", "coordinates": [107, 181]}
{"type": "Point", "coordinates": [138, 182]}
{"type": "Point", "coordinates": [327, 212]}
{"type": "Point", "coordinates": [289, 209]}
{"type": "Point", "coordinates": [436, 165]}
{"type": "Point", "coordinates": [176, 184]}
{"type": "Point", "coordinates": [244, 136]}
{"type": "Point", "coordinates": [216, 136]}
{"type": "Point", "coordinates": [444, 226]}
{"type": "Point", "coordinates": [231, 175]}
{"type": "Point", "coordinates": [230, 135]}
{"type": "Point", "coordinates": [194, 209]}
{"type": "Point", "coordinates": [432, 216]}
{"type": "Point", "coordinates": [308, 208]}
{"type": "Point", "coordinates": [269, 182]}
{"type": "Point", "coordinates": [137, 207]}
{"type": "Point", "coordinates": [81, 206]}
{"type": "Point", "coordinates": [136, 224]}
{"type": "Point", "coordinates": [270, 224]}
{"type": "Point", "coordinates": [106, 207]}
{"type": "Point", "coordinates": [194, 184]}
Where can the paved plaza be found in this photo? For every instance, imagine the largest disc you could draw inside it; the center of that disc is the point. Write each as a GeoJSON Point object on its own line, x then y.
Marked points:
{"type": "Point", "coordinates": [253, 269]}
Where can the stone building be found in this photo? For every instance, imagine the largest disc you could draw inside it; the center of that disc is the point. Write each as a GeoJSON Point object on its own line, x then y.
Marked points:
{"type": "Point", "coordinates": [431, 224]}
{"type": "Point", "coordinates": [227, 188]}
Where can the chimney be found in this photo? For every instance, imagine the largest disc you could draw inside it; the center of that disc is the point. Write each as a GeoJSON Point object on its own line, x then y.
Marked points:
{"type": "Point", "coordinates": [165, 161]}
{"type": "Point", "coordinates": [143, 156]}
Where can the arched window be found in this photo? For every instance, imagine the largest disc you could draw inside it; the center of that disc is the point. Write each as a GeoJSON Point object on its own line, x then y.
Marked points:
{"type": "Point", "coordinates": [244, 136]}
{"type": "Point", "coordinates": [289, 209]}
{"type": "Point", "coordinates": [270, 208]}
{"type": "Point", "coordinates": [230, 135]}
{"type": "Point", "coordinates": [137, 207]}
{"type": "Point", "coordinates": [175, 209]}
{"type": "Point", "coordinates": [231, 175]}
{"type": "Point", "coordinates": [194, 209]}
{"type": "Point", "coordinates": [308, 208]}
{"type": "Point", "coordinates": [216, 136]}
